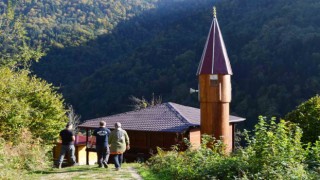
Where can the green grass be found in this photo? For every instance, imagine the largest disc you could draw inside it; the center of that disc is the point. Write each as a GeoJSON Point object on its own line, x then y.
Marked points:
{"type": "Point", "coordinates": [86, 172]}
{"type": "Point", "coordinates": [146, 173]}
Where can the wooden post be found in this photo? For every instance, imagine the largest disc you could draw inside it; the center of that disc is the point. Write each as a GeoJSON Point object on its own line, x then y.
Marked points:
{"type": "Point", "coordinates": [87, 152]}
{"type": "Point", "coordinates": [233, 135]}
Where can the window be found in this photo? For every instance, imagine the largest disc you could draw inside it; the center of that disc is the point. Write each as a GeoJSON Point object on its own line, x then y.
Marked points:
{"type": "Point", "coordinates": [214, 80]}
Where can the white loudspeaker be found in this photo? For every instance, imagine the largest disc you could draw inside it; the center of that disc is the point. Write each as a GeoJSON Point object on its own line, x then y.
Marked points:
{"type": "Point", "coordinates": [193, 90]}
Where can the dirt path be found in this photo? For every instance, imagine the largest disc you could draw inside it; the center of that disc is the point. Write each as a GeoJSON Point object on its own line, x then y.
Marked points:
{"type": "Point", "coordinates": [128, 172]}
{"type": "Point", "coordinates": [134, 173]}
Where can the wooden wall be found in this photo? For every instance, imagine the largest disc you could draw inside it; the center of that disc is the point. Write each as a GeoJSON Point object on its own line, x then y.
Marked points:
{"type": "Point", "coordinates": [150, 140]}
{"type": "Point", "coordinates": [144, 143]}
{"type": "Point", "coordinates": [80, 155]}
{"type": "Point", "coordinates": [215, 96]}
{"type": "Point", "coordinates": [195, 138]}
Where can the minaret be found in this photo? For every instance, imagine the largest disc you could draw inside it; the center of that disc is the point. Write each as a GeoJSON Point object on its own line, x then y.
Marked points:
{"type": "Point", "coordinates": [214, 73]}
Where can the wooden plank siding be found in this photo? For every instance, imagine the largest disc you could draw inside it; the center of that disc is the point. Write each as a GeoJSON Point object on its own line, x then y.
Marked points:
{"type": "Point", "coordinates": [150, 140]}
{"type": "Point", "coordinates": [195, 138]}
{"type": "Point", "coordinates": [80, 153]}
{"type": "Point", "coordinates": [144, 144]}
{"type": "Point", "coordinates": [215, 96]}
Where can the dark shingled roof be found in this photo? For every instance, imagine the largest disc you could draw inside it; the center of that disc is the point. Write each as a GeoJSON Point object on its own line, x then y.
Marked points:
{"type": "Point", "coordinates": [166, 117]}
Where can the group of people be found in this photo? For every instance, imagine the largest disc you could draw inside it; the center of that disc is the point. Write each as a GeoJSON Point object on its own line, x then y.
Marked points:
{"type": "Point", "coordinates": [107, 142]}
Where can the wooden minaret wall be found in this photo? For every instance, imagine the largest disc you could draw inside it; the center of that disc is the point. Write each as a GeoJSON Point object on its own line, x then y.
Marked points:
{"type": "Point", "coordinates": [214, 74]}
{"type": "Point", "coordinates": [215, 96]}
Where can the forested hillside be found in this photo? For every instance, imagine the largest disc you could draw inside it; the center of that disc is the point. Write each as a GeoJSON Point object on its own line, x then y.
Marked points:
{"type": "Point", "coordinates": [273, 47]}
{"type": "Point", "coordinates": [71, 23]}
{"type": "Point", "coordinates": [76, 64]}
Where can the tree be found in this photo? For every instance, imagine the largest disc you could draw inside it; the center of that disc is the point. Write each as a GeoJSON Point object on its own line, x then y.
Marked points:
{"type": "Point", "coordinates": [26, 102]}
{"type": "Point", "coordinates": [29, 102]}
{"type": "Point", "coordinates": [307, 116]}
{"type": "Point", "coordinates": [143, 103]}
{"type": "Point", "coordinates": [73, 118]}
{"type": "Point", "coordinates": [15, 49]}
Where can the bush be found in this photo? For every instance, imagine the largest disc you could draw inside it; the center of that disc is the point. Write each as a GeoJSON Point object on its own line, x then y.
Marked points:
{"type": "Point", "coordinates": [313, 158]}
{"type": "Point", "coordinates": [274, 151]}
{"type": "Point", "coordinates": [27, 155]}
{"type": "Point", "coordinates": [190, 164]}
{"type": "Point", "coordinates": [307, 116]}
{"type": "Point", "coordinates": [29, 102]}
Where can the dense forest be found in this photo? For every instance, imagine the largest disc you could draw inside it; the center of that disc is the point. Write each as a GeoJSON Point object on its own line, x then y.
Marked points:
{"type": "Point", "coordinates": [71, 23]}
{"type": "Point", "coordinates": [99, 55]}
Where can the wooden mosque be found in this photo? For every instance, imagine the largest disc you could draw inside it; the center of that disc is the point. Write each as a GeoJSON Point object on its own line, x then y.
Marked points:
{"type": "Point", "coordinates": [169, 123]}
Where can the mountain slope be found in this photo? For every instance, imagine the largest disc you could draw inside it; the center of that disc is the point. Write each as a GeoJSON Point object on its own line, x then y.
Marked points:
{"type": "Point", "coordinates": [76, 63]}
{"type": "Point", "coordinates": [61, 23]}
{"type": "Point", "coordinates": [273, 48]}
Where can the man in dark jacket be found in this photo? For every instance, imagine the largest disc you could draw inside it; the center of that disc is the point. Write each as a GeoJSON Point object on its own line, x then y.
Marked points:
{"type": "Point", "coordinates": [102, 133]}
{"type": "Point", "coordinates": [67, 145]}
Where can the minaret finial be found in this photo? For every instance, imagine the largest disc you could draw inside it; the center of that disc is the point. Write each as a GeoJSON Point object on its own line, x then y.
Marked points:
{"type": "Point", "coordinates": [214, 12]}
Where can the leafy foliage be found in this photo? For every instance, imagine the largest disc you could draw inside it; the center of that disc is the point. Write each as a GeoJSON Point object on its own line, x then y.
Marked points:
{"type": "Point", "coordinates": [307, 116]}
{"type": "Point", "coordinates": [274, 151]}
{"type": "Point", "coordinates": [69, 23]}
{"type": "Point", "coordinates": [31, 111]}
{"type": "Point", "coordinates": [17, 159]}
{"type": "Point", "coordinates": [143, 103]}
{"type": "Point", "coordinates": [313, 158]}
{"type": "Point", "coordinates": [173, 163]}
{"type": "Point", "coordinates": [29, 102]}
{"type": "Point", "coordinates": [15, 49]}
{"type": "Point", "coordinates": [26, 102]}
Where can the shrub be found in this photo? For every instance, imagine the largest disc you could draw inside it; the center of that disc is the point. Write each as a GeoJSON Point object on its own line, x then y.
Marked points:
{"type": "Point", "coordinates": [190, 164]}
{"type": "Point", "coordinates": [27, 155]}
{"type": "Point", "coordinates": [29, 102]}
{"type": "Point", "coordinates": [313, 158]}
{"type": "Point", "coordinates": [274, 151]}
{"type": "Point", "coordinates": [315, 152]}
{"type": "Point", "coordinates": [307, 116]}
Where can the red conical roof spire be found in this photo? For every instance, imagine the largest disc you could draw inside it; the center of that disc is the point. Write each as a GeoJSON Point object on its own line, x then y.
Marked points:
{"type": "Point", "coordinates": [214, 58]}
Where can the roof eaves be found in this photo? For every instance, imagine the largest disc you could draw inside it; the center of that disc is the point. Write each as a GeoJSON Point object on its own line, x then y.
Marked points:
{"type": "Point", "coordinates": [178, 114]}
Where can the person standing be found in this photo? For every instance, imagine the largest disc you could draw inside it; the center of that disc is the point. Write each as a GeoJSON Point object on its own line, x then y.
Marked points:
{"type": "Point", "coordinates": [67, 145]}
{"type": "Point", "coordinates": [119, 143]}
{"type": "Point", "coordinates": [102, 146]}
